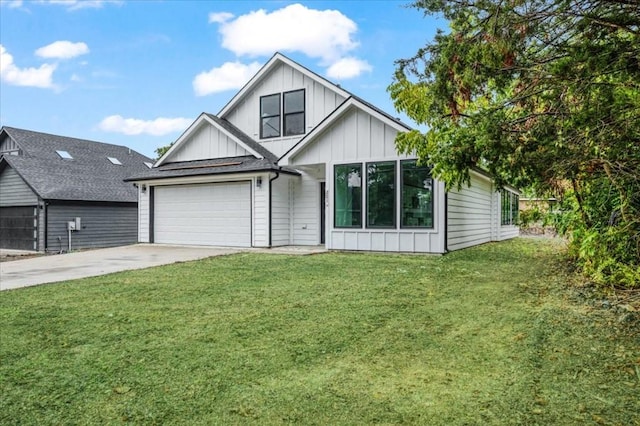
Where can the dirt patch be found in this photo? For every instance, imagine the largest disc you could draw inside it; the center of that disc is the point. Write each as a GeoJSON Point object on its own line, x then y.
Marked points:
{"type": "Point", "coordinates": [8, 257]}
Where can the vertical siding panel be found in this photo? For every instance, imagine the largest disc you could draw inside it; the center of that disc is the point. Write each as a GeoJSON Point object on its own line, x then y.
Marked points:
{"type": "Point", "coordinates": [349, 135]}
{"type": "Point", "coordinates": [364, 135]}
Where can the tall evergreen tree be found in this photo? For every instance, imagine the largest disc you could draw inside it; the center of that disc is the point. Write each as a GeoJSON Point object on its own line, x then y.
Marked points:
{"type": "Point", "coordinates": [544, 94]}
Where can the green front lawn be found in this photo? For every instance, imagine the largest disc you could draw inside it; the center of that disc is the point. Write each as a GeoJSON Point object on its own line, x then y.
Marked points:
{"type": "Point", "coordinates": [488, 335]}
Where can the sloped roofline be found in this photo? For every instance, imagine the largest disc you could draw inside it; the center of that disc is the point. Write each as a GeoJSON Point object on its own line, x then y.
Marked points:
{"type": "Point", "coordinates": [348, 104]}
{"type": "Point", "coordinates": [276, 59]}
{"type": "Point", "coordinates": [5, 162]}
{"type": "Point", "coordinates": [204, 117]}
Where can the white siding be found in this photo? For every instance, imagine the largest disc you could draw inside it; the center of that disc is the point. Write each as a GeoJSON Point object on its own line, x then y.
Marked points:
{"type": "Point", "coordinates": [143, 214]}
{"type": "Point", "coordinates": [280, 210]}
{"type": "Point", "coordinates": [319, 103]}
{"type": "Point", "coordinates": [261, 213]}
{"type": "Point", "coordinates": [207, 142]}
{"type": "Point", "coordinates": [14, 191]}
{"type": "Point", "coordinates": [392, 240]}
{"type": "Point", "coordinates": [357, 136]}
{"type": "Point", "coordinates": [306, 211]}
{"type": "Point", "coordinates": [470, 214]}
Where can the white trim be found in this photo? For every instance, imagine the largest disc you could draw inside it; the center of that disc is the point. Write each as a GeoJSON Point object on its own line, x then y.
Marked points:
{"type": "Point", "coordinates": [330, 120]}
{"type": "Point", "coordinates": [196, 125]}
{"type": "Point", "coordinates": [266, 68]}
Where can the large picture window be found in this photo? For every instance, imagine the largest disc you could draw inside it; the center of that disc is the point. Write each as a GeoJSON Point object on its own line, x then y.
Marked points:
{"type": "Point", "coordinates": [381, 195]}
{"type": "Point", "coordinates": [293, 113]}
{"type": "Point", "coordinates": [270, 116]}
{"type": "Point", "coordinates": [417, 195]}
{"type": "Point", "coordinates": [348, 196]}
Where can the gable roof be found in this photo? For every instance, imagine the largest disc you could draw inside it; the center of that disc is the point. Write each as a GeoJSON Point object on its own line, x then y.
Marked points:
{"type": "Point", "coordinates": [224, 126]}
{"type": "Point", "coordinates": [88, 176]}
{"type": "Point", "coordinates": [350, 103]}
{"type": "Point", "coordinates": [277, 59]}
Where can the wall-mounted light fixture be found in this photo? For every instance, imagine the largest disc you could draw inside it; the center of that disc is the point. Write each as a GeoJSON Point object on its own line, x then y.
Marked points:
{"type": "Point", "coordinates": [259, 181]}
{"type": "Point", "coordinates": [143, 188]}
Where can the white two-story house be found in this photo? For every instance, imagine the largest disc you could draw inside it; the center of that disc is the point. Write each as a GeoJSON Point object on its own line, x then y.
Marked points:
{"type": "Point", "coordinates": [294, 159]}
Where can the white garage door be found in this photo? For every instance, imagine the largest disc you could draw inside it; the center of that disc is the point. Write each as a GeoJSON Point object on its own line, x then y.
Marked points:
{"type": "Point", "coordinates": [211, 214]}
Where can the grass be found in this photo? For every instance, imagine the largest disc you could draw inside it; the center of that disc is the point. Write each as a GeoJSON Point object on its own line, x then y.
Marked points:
{"type": "Point", "coordinates": [488, 335]}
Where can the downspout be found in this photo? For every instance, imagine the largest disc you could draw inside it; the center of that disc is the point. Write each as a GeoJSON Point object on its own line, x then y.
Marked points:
{"type": "Point", "coordinates": [271, 208]}
{"type": "Point", "coordinates": [446, 221]}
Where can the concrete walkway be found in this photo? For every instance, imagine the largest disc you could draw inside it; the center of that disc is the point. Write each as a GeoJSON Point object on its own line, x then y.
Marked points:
{"type": "Point", "coordinates": [63, 267]}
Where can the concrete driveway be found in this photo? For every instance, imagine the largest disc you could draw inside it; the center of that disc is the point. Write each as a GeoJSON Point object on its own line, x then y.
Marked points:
{"type": "Point", "coordinates": [63, 267]}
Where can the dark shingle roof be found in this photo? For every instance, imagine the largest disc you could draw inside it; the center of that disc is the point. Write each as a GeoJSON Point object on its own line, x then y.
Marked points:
{"type": "Point", "coordinates": [217, 166]}
{"type": "Point", "coordinates": [89, 176]}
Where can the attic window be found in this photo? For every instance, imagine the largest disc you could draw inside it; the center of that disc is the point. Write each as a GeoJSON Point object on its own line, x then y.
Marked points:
{"type": "Point", "coordinates": [64, 154]}
{"type": "Point", "coordinates": [114, 160]}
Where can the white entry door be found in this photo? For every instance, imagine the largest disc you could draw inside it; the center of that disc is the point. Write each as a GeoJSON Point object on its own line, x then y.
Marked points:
{"type": "Point", "coordinates": [216, 214]}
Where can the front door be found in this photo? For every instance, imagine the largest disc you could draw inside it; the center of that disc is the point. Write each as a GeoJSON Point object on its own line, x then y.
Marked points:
{"type": "Point", "coordinates": [323, 208]}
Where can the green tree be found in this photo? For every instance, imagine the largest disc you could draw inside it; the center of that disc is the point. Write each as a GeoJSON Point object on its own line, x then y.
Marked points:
{"type": "Point", "coordinates": [544, 94]}
{"type": "Point", "coordinates": [160, 151]}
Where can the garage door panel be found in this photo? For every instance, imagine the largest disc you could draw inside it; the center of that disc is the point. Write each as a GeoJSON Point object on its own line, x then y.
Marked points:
{"type": "Point", "coordinates": [18, 227]}
{"type": "Point", "coordinates": [208, 214]}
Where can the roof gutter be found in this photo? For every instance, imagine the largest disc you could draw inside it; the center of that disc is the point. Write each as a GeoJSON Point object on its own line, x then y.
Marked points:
{"type": "Point", "coordinates": [271, 206]}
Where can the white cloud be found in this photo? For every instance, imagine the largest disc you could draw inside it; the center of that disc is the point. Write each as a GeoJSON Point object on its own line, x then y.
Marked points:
{"type": "Point", "coordinates": [231, 75]}
{"type": "Point", "coordinates": [348, 68]}
{"type": "Point", "coordinates": [32, 77]}
{"type": "Point", "coordinates": [63, 50]}
{"type": "Point", "coordinates": [133, 126]}
{"type": "Point", "coordinates": [82, 4]}
{"type": "Point", "coordinates": [219, 17]}
{"type": "Point", "coordinates": [324, 34]}
{"type": "Point", "coordinates": [11, 4]}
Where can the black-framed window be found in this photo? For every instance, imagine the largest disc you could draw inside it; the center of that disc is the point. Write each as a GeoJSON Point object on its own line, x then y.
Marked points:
{"type": "Point", "coordinates": [282, 114]}
{"type": "Point", "coordinates": [293, 112]}
{"type": "Point", "coordinates": [417, 195]}
{"type": "Point", "coordinates": [270, 116]}
{"type": "Point", "coordinates": [509, 206]}
{"type": "Point", "coordinates": [381, 194]}
{"type": "Point", "coordinates": [347, 196]}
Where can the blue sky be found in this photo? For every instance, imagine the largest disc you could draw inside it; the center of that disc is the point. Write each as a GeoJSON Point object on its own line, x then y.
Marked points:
{"type": "Point", "coordinates": [137, 73]}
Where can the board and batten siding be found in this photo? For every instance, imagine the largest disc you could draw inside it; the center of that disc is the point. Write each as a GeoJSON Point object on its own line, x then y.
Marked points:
{"type": "Point", "coordinates": [320, 101]}
{"type": "Point", "coordinates": [306, 211]}
{"type": "Point", "coordinates": [206, 143]}
{"type": "Point", "coordinates": [356, 136]}
{"type": "Point", "coordinates": [14, 191]}
{"type": "Point", "coordinates": [280, 210]}
{"type": "Point", "coordinates": [359, 137]}
{"type": "Point", "coordinates": [102, 226]}
{"type": "Point", "coordinates": [470, 214]}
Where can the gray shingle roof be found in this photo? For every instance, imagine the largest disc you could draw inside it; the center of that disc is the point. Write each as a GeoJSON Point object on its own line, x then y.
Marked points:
{"type": "Point", "coordinates": [89, 176]}
{"type": "Point", "coordinates": [217, 166]}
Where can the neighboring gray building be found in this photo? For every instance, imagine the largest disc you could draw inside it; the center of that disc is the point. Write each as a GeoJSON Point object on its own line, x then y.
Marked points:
{"type": "Point", "coordinates": [47, 181]}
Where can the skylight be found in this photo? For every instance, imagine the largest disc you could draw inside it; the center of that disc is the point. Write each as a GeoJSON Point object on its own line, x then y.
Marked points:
{"type": "Point", "coordinates": [114, 160]}
{"type": "Point", "coordinates": [64, 154]}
